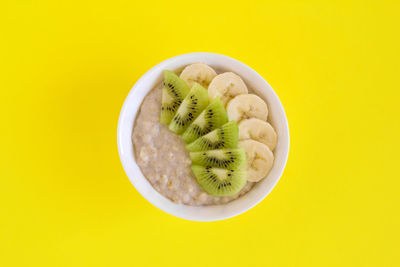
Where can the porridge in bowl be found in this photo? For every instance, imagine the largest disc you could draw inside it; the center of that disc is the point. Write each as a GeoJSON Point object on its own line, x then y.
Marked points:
{"type": "Point", "coordinates": [206, 144]}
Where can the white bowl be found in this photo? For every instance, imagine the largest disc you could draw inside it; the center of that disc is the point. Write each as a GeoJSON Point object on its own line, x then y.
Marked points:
{"type": "Point", "coordinates": [220, 63]}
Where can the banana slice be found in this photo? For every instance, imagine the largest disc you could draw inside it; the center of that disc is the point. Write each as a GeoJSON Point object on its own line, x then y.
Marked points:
{"type": "Point", "coordinates": [247, 106]}
{"type": "Point", "coordinates": [198, 73]}
{"type": "Point", "coordinates": [259, 159]}
{"type": "Point", "coordinates": [258, 130]}
{"type": "Point", "coordinates": [227, 85]}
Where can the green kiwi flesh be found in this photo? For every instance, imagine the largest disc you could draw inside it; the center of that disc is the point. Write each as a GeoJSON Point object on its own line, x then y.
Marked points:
{"type": "Point", "coordinates": [213, 116]}
{"type": "Point", "coordinates": [225, 136]}
{"type": "Point", "coordinates": [192, 105]}
{"type": "Point", "coordinates": [234, 158]}
{"type": "Point", "coordinates": [220, 182]}
{"type": "Point", "coordinates": [174, 91]}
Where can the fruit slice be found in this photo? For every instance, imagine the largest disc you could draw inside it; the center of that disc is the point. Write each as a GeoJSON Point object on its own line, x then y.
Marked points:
{"type": "Point", "coordinates": [213, 116]}
{"type": "Point", "coordinates": [227, 85]}
{"type": "Point", "coordinates": [198, 73]}
{"type": "Point", "coordinates": [195, 101]}
{"type": "Point", "coordinates": [258, 130]}
{"type": "Point", "coordinates": [225, 136]}
{"type": "Point", "coordinates": [219, 182]}
{"type": "Point", "coordinates": [234, 158]}
{"type": "Point", "coordinates": [173, 93]}
{"type": "Point", "coordinates": [247, 106]}
{"type": "Point", "coordinates": [259, 159]}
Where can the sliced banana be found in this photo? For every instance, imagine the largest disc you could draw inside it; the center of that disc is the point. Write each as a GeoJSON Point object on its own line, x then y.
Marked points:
{"type": "Point", "coordinates": [227, 85]}
{"type": "Point", "coordinates": [198, 73]}
{"type": "Point", "coordinates": [247, 106]}
{"type": "Point", "coordinates": [259, 159]}
{"type": "Point", "coordinates": [258, 130]}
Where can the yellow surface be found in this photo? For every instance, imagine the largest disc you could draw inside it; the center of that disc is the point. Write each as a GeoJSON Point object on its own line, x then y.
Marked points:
{"type": "Point", "coordinates": [67, 66]}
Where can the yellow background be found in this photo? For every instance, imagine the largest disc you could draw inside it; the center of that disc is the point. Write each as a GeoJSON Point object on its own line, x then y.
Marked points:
{"type": "Point", "coordinates": [67, 66]}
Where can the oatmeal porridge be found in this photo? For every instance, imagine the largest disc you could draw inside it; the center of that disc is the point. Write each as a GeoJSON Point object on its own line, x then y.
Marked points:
{"type": "Point", "coordinates": [206, 144]}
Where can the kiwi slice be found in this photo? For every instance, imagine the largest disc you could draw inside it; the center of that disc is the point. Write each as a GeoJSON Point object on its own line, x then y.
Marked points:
{"type": "Point", "coordinates": [220, 182]}
{"type": "Point", "coordinates": [174, 91]}
{"type": "Point", "coordinates": [234, 158]}
{"type": "Point", "coordinates": [225, 136]}
{"type": "Point", "coordinates": [192, 105]}
{"type": "Point", "coordinates": [213, 116]}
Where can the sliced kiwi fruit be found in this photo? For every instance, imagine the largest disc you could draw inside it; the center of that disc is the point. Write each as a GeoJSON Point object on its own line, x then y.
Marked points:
{"type": "Point", "coordinates": [220, 182]}
{"type": "Point", "coordinates": [174, 91]}
{"type": "Point", "coordinates": [225, 136]}
{"type": "Point", "coordinates": [233, 158]}
{"type": "Point", "coordinates": [213, 116]}
{"type": "Point", "coordinates": [192, 105]}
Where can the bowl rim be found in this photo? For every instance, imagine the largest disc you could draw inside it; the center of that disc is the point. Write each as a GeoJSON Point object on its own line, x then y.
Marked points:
{"type": "Point", "coordinates": [155, 197]}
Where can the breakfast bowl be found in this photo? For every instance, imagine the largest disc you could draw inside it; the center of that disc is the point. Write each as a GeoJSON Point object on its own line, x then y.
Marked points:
{"type": "Point", "coordinates": [255, 83]}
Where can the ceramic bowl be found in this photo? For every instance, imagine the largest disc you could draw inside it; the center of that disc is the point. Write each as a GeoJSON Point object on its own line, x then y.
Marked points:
{"type": "Point", "coordinates": [221, 64]}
